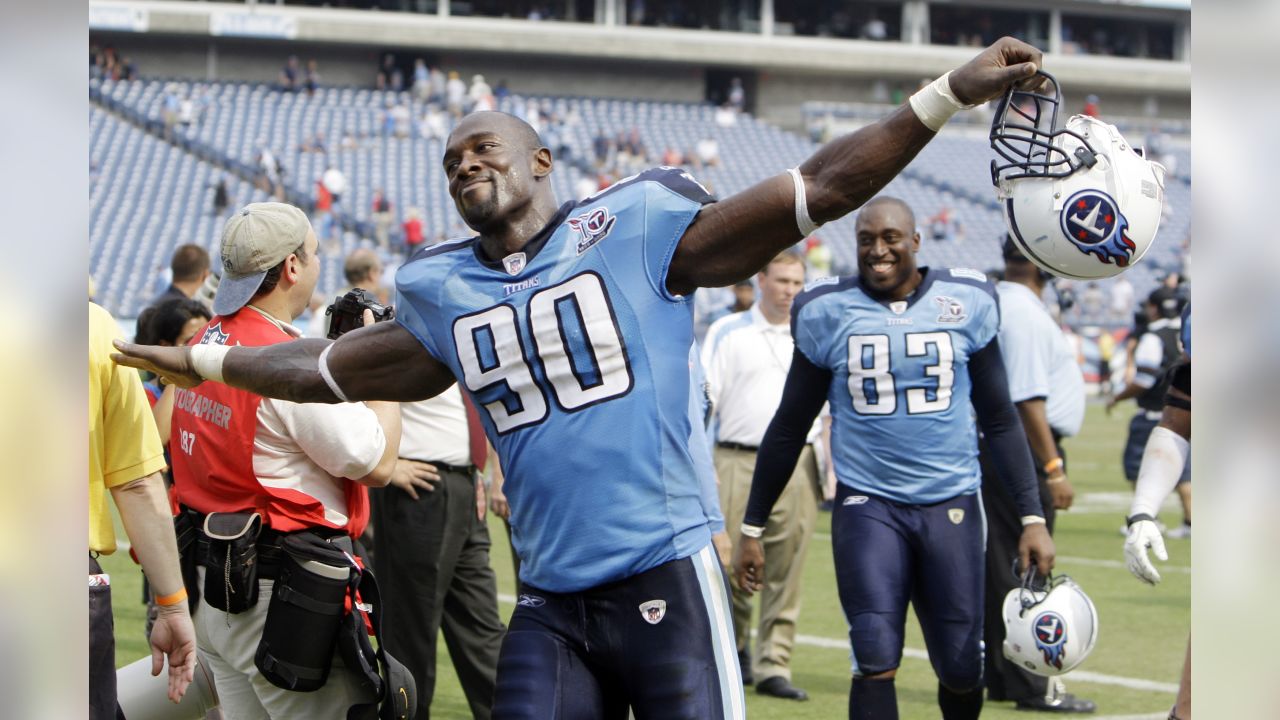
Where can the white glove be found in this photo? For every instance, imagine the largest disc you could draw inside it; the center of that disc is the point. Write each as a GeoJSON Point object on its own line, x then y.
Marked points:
{"type": "Point", "coordinates": [1144, 534]}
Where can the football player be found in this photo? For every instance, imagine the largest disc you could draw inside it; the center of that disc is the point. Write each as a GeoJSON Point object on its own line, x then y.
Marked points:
{"type": "Point", "coordinates": [906, 356]}
{"type": "Point", "coordinates": [570, 326]}
{"type": "Point", "coordinates": [1163, 461]}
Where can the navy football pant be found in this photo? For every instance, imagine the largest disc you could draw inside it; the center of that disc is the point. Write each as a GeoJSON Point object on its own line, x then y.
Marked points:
{"type": "Point", "coordinates": [887, 554]}
{"type": "Point", "coordinates": [660, 642]}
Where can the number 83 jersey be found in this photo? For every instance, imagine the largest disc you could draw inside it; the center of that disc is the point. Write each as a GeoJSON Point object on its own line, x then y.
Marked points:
{"type": "Point", "coordinates": [578, 359]}
{"type": "Point", "coordinates": [903, 425]}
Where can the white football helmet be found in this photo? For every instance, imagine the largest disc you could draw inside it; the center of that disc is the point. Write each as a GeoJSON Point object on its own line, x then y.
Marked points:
{"type": "Point", "coordinates": [1079, 201]}
{"type": "Point", "coordinates": [1049, 631]}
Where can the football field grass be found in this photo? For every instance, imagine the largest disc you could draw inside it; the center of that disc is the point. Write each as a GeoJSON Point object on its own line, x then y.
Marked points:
{"type": "Point", "coordinates": [1131, 674]}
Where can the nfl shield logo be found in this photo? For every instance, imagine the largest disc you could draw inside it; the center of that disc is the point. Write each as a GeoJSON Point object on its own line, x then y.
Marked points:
{"type": "Point", "coordinates": [653, 611]}
{"type": "Point", "coordinates": [514, 263]}
{"type": "Point", "coordinates": [956, 515]}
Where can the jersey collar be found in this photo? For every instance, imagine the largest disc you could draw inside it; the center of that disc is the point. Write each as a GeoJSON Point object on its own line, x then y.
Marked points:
{"type": "Point", "coordinates": [535, 243]}
{"type": "Point", "coordinates": [929, 275]}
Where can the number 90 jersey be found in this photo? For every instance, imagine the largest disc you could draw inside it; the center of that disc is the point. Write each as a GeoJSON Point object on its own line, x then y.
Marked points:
{"type": "Point", "coordinates": [578, 359]}
{"type": "Point", "coordinates": [903, 425]}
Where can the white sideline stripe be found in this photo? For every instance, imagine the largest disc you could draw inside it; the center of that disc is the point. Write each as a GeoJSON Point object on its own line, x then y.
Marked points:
{"type": "Point", "coordinates": [917, 654]}
{"type": "Point", "coordinates": [1148, 716]}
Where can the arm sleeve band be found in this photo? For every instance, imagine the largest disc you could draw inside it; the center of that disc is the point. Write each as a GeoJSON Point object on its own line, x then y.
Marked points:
{"type": "Point", "coordinates": [802, 399]}
{"type": "Point", "coordinates": [1006, 440]}
{"type": "Point", "coordinates": [1162, 463]}
{"type": "Point", "coordinates": [328, 376]}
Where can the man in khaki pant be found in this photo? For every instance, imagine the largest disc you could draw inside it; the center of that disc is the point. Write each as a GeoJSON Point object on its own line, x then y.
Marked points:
{"type": "Point", "coordinates": [747, 356]}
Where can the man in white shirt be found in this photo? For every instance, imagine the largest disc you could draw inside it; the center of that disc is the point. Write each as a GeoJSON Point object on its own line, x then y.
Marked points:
{"type": "Point", "coordinates": [1047, 386]}
{"type": "Point", "coordinates": [431, 552]}
{"type": "Point", "coordinates": [747, 356]}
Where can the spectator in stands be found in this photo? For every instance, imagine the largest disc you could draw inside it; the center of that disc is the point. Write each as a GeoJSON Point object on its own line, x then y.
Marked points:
{"type": "Point", "coordinates": [401, 120]}
{"type": "Point", "coordinates": [708, 152]}
{"type": "Point", "coordinates": [671, 157]}
{"type": "Point", "coordinates": [601, 146]}
{"type": "Point", "coordinates": [363, 269]}
{"type": "Point", "coordinates": [335, 182]}
{"type": "Point", "coordinates": [1090, 106]}
{"type": "Point", "coordinates": [221, 196]}
{"type": "Point", "coordinates": [726, 116]}
{"type": "Point", "coordinates": [818, 257]}
{"type": "Point", "coordinates": [127, 70]}
{"type": "Point", "coordinates": [268, 170]}
{"type": "Point", "coordinates": [455, 92]}
{"type": "Point", "coordinates": [170, 105]}
{"type": "Point", "coordinates": [737, 95]}
{"type": "Point", "coordinates": [382, 219]}
{"type": "Point", "coordinates": [583, 187]}
{"type": "Point", "coordinates": [875, 28]}
{"type": "Point", "coordinates": [479, 95]}
{"type": "Point", "coordinates": [1092, 301]}
{"type": "Point", "coordinates": [322, 218]}
{"type": "Point", "coordinates": [312, 79]}
{"type": "Point", "coordinates": [290, 75]}
{"type": "Point", "coordinates": [413, 235]}
{"type": "Point", "coordinates": [941, 225]}
{"type": "Point", "coordinates": [421, 80]}
{"type": "Point", "coordinates": [389, 77]}
{"type": "Point", "coordinates": [315, 143]}
{"type": "Point", "coordinates": [189, 266]}
{"type": "Point", "coordinates": [501, 91]}
{"type": "Point", "coordinates": [438, 83]}
{"type": "Point", "coordinates": [125, 460]}
{"type": "Point", "coordinates": [434, 124]}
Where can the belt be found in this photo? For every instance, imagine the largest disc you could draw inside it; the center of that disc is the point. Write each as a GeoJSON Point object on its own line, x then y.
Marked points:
{"type": "Point", "coordinates": [270, 552]}
{"type": "Point", "coordinates": [446, 467]}
{"type": "Point", "coordinates": [738, 446]}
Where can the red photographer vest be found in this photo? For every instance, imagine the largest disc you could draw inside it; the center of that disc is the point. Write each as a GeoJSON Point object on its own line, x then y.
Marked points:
{"type": "Point", "coordinates": [211, 445]}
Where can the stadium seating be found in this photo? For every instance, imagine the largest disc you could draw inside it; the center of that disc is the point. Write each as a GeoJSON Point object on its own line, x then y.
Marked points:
{"type": "Point", "coordinates": [153, 194]}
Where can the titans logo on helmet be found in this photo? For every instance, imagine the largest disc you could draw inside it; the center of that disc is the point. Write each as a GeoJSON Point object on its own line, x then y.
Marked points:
{"type": "Point", "coordinates": [1051, 637]}
{"type": "Point", "coordinates": [1093, 221]}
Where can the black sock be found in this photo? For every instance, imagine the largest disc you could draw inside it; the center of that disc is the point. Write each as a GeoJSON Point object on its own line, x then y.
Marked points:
{"type": "Point", "coordinates": [873, 700]}
{"type": "Point", "coordinates": [960, 706]}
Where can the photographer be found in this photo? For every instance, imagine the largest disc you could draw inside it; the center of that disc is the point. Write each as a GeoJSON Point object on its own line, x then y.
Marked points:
{"type": "Point", "coordinates": [244, 465]}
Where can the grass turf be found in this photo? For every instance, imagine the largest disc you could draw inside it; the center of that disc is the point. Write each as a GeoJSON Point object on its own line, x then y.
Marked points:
{"type": "Point", "coordinates": [1143, 630]}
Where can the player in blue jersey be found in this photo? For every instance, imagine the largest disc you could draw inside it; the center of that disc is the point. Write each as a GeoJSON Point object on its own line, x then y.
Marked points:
{"type": "Point", "coordinates": [570, 326]}
{"type": "Point", "coordinates": [906, 356]}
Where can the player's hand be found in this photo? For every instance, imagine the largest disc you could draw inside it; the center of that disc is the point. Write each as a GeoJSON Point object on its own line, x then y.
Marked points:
{"type": "Point", "coordinates": [748, 564]}
{"type": "Point", "coordinates": [1111, 404]}
{"type": "Point", "coordinates": [724, 549]}
{"type": "Point", "coordinates": [412, 476]}
{"type": "Point", "coordinates": [1036, 546]}
{"type": "Point", "coordinates": [989, 74]}
{"type": "Point", "coordinates": [172, 364]}
{"type": "Point", "coordinates": [174, 636]}
{"type": "Point", "coordinates": [1142, 535]}
{"type": "Point", "coordinates": [481, 504]}
{"type": "Point", "coordinates": [1062, 492]}
{"type": "Point", "coordinates": [498, 502]}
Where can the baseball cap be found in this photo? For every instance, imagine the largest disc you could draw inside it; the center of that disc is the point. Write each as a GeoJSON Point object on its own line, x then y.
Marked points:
{"type": "Point", "coordinates": [1011, 251]}
{"type": "Point", "coordinates": [1166, 302]}
{"type": "Point", "coordinates": [254, 240]}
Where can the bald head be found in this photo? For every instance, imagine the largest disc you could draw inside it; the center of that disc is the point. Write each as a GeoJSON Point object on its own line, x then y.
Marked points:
{"type": "Point", "coordinates": [903, 215]}
{"type": "Point", "coordinates": [516, 131]}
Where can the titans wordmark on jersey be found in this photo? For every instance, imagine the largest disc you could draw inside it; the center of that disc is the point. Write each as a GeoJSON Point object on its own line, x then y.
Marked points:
{"type": "Point", "coordinates": [579, 359]}
{"type": "Point", "coordinates": [903, 425]}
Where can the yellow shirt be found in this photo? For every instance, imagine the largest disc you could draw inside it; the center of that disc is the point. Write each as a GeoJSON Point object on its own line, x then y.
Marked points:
{"type": "Point", "coordinates": [124, 444]}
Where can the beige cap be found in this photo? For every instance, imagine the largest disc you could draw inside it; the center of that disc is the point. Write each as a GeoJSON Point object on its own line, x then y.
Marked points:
{"type": "Point", "coordinates": [255, 240]}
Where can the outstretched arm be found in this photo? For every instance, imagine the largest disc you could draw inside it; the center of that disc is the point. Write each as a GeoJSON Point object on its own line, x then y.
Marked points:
{"type": "Point", "coordinates": [737, 236]}
{"type": "Point", "coordinates": [377, 362]}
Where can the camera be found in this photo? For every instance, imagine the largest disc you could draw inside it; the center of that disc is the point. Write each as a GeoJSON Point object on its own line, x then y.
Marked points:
{"type": "Point", "coordinates": [347, 312]}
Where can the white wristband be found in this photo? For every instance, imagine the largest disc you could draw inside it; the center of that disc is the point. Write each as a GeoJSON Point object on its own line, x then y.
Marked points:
{"type": "Point", "coordinates": [752, 531]}
{"type": "Point", "coordinates": [328, 376]}
{"type": "Point", "coordinates": [1032, 520]}
{"type": "Point", "coordinates": [804, 223]}
{"type": "Point", "coordinates": [207, 361]}
{"type": "Point", "coordinates": [934, 103]}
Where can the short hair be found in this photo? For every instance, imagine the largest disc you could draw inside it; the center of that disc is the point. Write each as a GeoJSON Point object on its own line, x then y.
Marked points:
{"type": "Point", "coordinates": [786, 257]}
{"type": "Point", "coordinates": [190, 262]}
{"type": "Point", "coordinates": [164, 322]}
{"type": "Point", "coordinates": [891, 200]}
{"type": "Point", "coordinates": [359, 264]}
{"type": "Point", "coordinates": [272, 278]}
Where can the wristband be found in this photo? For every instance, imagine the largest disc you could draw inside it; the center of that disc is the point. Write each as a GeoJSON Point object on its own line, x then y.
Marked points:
{"type": "Point", "coordinates": [752, 531]}
{"type": "Point", "coordinates": [328, 376]}
{"type": "Point", "coordinates": [207, 361]}
{"type": "Point", "coordinates": [804, 223]}
{"type": "Point", "coordinates": [1054, 464]}
{"type": "Point", "coordinates": [1032, 520]}
{"type": "Point", "coordinates": [1129, 521]}
{"type": "Point", "coordinates": [934, 103]}
{"type": "Point", "coordinates": [172, 598]}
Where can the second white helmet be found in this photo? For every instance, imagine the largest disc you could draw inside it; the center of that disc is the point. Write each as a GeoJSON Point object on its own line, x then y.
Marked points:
{"type": "Point", "coordinates": [1049, 631]}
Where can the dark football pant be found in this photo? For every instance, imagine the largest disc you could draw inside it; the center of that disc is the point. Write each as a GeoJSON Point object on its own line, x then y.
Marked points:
{"type": "Point", "coordinates": [887, 554]}
{"type": "Point", "coordinates": [660, 642]}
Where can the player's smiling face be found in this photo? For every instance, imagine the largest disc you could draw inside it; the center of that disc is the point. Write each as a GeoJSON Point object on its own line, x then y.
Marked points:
{"type": "Point", "coordinates": [490, 167]}
{"type": "Point", "coordinates": [887, 245]}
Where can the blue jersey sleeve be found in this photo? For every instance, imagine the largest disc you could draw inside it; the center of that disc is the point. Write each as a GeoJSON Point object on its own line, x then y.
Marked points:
{"type": "Point", "coordinates": [985, 305]}
{"type": "Point", "coordinates": [672, 200]}
{"type": "Point", "coordinates": [811, 323]}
